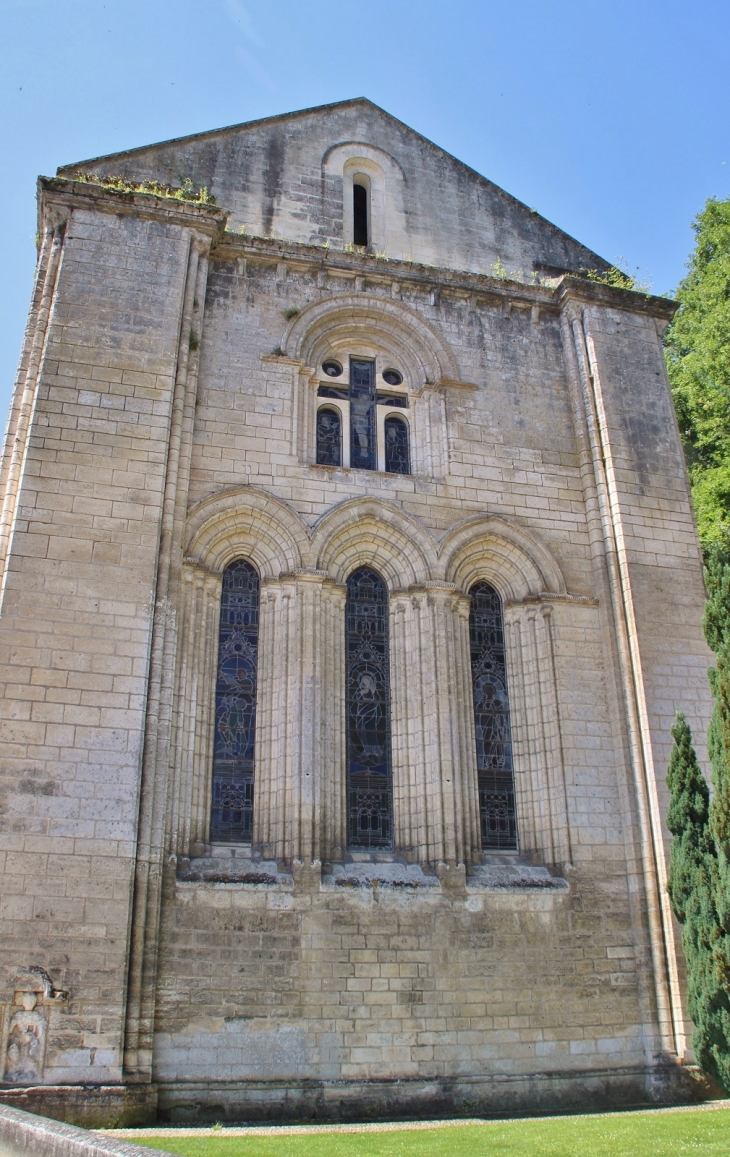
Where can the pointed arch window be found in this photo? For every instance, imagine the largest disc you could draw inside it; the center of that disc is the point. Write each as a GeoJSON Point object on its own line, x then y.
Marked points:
{"type": "Point", "coordinates": [492, 719]}
{"type": "Point", "coordinates": [235, 705]}
{"type": "Point", "coordinates": [369, 783]}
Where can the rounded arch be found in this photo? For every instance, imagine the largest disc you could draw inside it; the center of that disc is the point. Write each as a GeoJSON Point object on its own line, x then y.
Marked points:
{"type": "Point", "coordinates": [506, 556]}
{"type": "Point", "coordinates": [337, 156]}
{"type": "Point", "coordinates": [355, 162]}
{"type": "Point", "coordinates": [247, 524]}
{"type": "Point", "coordinates": [394, 328]}
{"type": "Point", "coordinates": [369, 532]}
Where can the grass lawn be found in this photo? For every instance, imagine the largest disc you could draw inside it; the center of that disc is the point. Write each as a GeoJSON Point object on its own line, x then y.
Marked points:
{"type": "Point", "coordinates": [702, 1132]}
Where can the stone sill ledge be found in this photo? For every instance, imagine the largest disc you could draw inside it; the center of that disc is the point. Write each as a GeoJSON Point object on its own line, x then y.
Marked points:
{"type": "Point", "coordinates": [229, 866]}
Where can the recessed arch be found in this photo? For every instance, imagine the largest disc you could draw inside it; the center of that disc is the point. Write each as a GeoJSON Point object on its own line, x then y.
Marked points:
{"type": "Point", "coordinates": [355, 162]}
{"type": "Point", "coordinates": [369, 532]}
{"type": "Point", "coordinates": [338, 155]}
{"type": "Point", "coordinates": [390, 326]}
{"type": "Point", "coordinates": [247, 523]}
{"type": "Point", "coordinates": [510, 558]}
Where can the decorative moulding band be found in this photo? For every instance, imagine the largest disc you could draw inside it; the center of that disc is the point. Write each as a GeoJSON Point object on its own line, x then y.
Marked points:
{"type": "Point", "coordinates": [550, 597]}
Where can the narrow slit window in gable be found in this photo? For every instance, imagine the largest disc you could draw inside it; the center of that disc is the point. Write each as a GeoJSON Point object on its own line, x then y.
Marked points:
{"type": "Point", "coordinates": [360, 215]}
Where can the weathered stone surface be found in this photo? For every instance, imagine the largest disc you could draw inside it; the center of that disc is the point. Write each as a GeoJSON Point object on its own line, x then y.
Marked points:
{"type": "Point", "coordinates": [164, 425]}
{"type": "Point", "coordinates": [22, 1133]}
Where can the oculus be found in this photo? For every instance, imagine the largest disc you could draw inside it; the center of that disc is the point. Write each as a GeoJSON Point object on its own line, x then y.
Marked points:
{"type": "Point", "coordinates": [392, 377]}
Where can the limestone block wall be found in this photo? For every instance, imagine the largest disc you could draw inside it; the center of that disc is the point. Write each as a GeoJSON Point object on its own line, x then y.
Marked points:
{"type": "Point", "coordinates": [291, 177]}
{"type": "Point", "coordinates": [86, 459]}
{"type": "Point", "coordinates": [163, 427]}
{"type": "Point", "coordinates": [410, 997]}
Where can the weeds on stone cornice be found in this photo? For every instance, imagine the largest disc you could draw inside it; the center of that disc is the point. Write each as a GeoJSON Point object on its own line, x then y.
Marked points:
{"type": "Point", "coordinates": [290, 313]}
{"type": "Point", "coordinates": [617, 278]}
{"type": "Point", "coordinates": [186, 192]}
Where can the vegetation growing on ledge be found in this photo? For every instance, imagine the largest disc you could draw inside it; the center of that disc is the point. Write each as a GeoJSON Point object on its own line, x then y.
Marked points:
{"type": "Point", "coordinates": [617, 278]}
{"type": "Point", "coordinates": [186, 192]}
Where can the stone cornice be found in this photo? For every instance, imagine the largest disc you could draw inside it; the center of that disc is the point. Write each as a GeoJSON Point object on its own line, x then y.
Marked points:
{"type": "Point", "coordinates": [59, 193]}
{"type": "Point", "coordinates": [340, 264]}
{"type": "Point", "coordinates": [479, 287]}
{"type": "Point", "coordinates": [582, 291]}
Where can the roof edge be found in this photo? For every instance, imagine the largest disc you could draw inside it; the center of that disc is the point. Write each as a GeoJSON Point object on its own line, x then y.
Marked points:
{"type": "Point", "coordinates": [601, 262]}
{"type": "Point", "coordinates": [60, 171]}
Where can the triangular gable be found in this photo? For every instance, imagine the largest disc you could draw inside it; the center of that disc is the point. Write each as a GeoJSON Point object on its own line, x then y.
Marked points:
{"type": "Point", "coordinates": [282, 176]}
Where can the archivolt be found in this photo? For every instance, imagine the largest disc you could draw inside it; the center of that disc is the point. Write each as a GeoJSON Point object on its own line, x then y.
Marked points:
{"type": "Point", "coordinates": [374, 322]}
{"type": "Point", "coordinates": [247, 523]}
{"type": "Point", "coordinates": [507, 556]}
{"type": "Point", "coordinates": [367, 531]}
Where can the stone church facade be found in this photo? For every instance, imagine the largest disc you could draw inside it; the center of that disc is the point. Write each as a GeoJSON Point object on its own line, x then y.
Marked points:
{"type": "Point", "coordinates": [350, 585]}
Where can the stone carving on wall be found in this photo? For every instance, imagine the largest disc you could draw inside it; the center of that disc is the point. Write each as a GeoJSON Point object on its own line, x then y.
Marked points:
{"type": "Point", "coordinates": [26, 1020]}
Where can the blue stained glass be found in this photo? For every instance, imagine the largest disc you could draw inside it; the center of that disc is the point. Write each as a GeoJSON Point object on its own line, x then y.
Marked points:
{"type": "Point", "coordinates": [368, 711]}
{"type": "Point", "coordinates": [363, 451]}
{"type": "Point", "coordinates": [329, 437]}
{"type": "Point", "coordinates": [235, 705]}
{"type": "Point", "coordinates": [491, 719]}
{"type": "Point", "coordinates": [396, 446]}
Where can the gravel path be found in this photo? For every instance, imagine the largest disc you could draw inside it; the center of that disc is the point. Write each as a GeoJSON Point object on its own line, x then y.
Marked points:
{"type": "Point", "coordinates": [377, 1127]}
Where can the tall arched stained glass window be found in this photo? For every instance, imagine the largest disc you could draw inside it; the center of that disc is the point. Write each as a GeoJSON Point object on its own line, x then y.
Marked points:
{"type": "Point", "coordinates": [235, 705]}
{"type": "Point", "coordinates": [491, 719]}
{"type": "Point", "coordinates": [329, 437]}
{"type": "Point", "coordinates": [369, 792]}
{"type": "Point", "coordinates": [396, 446]}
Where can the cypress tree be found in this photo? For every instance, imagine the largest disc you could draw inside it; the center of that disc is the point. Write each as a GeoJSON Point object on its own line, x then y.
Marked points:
{"type": "Point", "coordinates": [692, 874]}
{"type": "Point", "coordinates": [699, 871]}
{"type": "Point", "coordinates": [717, 632]}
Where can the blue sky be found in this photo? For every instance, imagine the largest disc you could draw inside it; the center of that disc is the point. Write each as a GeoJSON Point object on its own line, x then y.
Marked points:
{"type": "Point", "coordinates": [611, 118]}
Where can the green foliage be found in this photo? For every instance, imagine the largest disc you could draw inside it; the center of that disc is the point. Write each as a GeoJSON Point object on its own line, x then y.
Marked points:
{"type": "Point", "coordinates": [697, 348]}
{"type": "Point", "coordinates": [290, 312]}
{"type": "Point", "coordinates": [186, 192]}
{"type": "Point", "coordinates": [614, 277]}
{"type": "Point", "coordinates": [618, 278]}
{"type": "Point", "coordinates": [699, 875]}
{"type": "Point", "coordinates": [703, 1132]}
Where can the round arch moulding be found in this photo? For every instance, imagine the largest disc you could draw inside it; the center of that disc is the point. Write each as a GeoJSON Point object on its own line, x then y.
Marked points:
{"type": "Point", "coordinates": [370, 532]}
{"type": "Point", "coordinates": [507, 556]}
{"type": "Point", "coordinates": [336, 156]}
{"type": "Point", "coordinates": [247, 523]}
{"type": "Point", "coordinates": [377, 322]}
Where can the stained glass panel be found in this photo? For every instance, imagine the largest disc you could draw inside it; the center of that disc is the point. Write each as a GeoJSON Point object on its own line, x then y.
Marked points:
{"type": "Point", "coordinates": [363, 451]}
{"type": "Point", "coordinates": [235, 705]}
{"type": "Point", "coordinates": [329, 437]}
{"type": "Point", "coordinates": [396, 446]}
{"type": "Point", "coordinates": [491, 719]}
{"type": "Point", "coordinates": [368, 712]}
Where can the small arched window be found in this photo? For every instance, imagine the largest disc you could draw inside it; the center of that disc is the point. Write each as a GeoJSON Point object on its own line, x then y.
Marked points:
{"type": "Point", "coordinates": [360, 231]}
{"type": "Point", "coordinates": [491, 719]}
{"type": "Point", "coordinates": [397, 459]}
{"type": "Point", "coordinates": [329, 437]}
{"type": "Point", "coordinates": [369, 790]}
{"type": "Point", "coordinates": [235, 705]}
